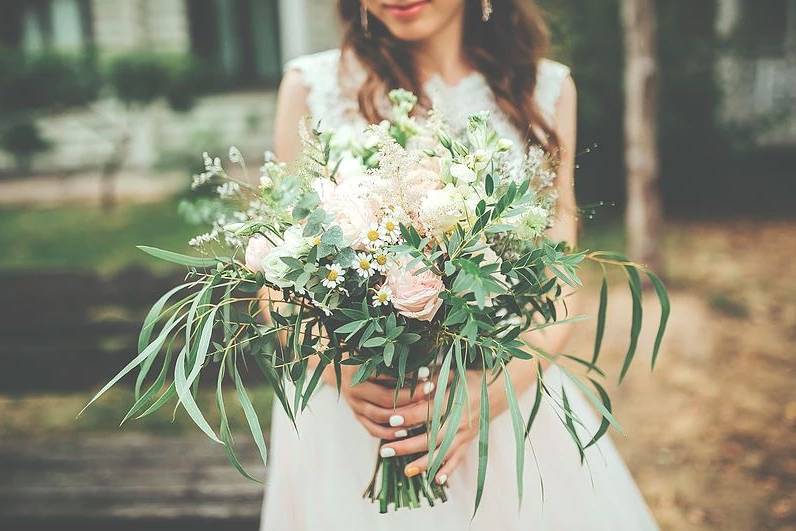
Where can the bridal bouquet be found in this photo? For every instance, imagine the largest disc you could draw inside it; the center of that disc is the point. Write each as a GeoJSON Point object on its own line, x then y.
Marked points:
{"type": "Point", "coordinates": [406, 249]}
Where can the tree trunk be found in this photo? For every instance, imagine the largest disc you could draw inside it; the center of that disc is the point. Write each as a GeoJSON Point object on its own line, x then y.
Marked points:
{"type": "Point", "coordinates": [643, 215]}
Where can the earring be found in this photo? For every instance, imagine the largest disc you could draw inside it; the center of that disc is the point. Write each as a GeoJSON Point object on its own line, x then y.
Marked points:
{"type": "Point", "coordinates": [486, 9]}
{"type": "Point", "coordinates": [363, 17]}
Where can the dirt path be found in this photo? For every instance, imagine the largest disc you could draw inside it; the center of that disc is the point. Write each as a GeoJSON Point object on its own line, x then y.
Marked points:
{"type": "Point", "coordinates": [711, 434]}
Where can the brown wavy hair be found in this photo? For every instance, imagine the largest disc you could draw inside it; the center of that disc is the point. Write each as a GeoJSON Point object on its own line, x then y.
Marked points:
{"type": "Point", "coordinates": [506, 50]}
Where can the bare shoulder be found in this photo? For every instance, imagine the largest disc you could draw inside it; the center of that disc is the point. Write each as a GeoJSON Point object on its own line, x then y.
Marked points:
{"type": "Point", "coordinates": [293, 91]}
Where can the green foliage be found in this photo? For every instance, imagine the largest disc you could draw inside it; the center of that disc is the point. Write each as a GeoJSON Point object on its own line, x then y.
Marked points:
{"type": "Point", "coordinates": [46, 81]}
{"type": "Point", "coordinates": [142, 77]}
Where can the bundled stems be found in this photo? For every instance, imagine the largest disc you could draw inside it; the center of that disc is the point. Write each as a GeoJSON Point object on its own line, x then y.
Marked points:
{"type": "Point", "coordinates": [390, 486]}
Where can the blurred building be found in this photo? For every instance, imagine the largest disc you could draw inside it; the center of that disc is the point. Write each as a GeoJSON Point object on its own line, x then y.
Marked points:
{"type": "Point", "coordinates": [244, 42]}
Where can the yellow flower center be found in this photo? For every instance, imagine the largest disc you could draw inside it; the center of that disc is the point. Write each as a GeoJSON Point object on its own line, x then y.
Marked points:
{"type": "Point", "coordinates": [382, 297]}
{"type": "Point", "coordinates": [332, 275]}
{"type": "Point", "coordinates": [390, 226]}
{"type": "Point", "coordinates": [373, 235]}
{"type": "Point", "coordinates": [381, 259]}
{"type": "Point", "coordinates": [364, 264]}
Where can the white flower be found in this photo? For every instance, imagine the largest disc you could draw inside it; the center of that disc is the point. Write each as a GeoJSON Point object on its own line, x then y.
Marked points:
{"type": "Point", "coordinates": [462, 173]}
{"type": "Point", "coordinates": [382, 297]}
{"type": "Point", "coordinates": [235, 156]}
{"type": "Point", "coordinates": [504, 144]}
{"type": "Point", "coordinates": [228, 189]}
{"type": "Point", "coordinates": [392, 228]}
{"type": "Point", "coordinates": [266, 181]}
{"type": "Point", "coordinates": [479, 160]}
{"type": "Point", "coordinates": [441, 210]}
{"type": "Point", "coordinates": [363, 265]}
{"type": "Point", "coordinates": [335, 276]}
{"type": "Point", "coordinates": [533, 223]}
{"type": "Point", "coordinates": [374, 237]}
{"type": "Point", "coordinates": [380, 259]}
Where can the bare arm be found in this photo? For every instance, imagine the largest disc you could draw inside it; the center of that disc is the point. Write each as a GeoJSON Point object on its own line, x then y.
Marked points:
{"type": "Point", "coordinates": [291, 108]}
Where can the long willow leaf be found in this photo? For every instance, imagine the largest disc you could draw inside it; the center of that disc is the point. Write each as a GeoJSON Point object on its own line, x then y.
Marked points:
{"type": "Point", "coordinates": [181, 259]}
{"type": "Point", "coordinates": [570, 425]}
{"type": "Point", "coordinates": [483, 442]}
{"type": "Point", "coordinates": [153, 347]}
{"type": "Point", "coordinates": [226, 434]}
{"type": "Point", "coordinates": [519, 431]}
{"type": "Point", "coordinates": [439, 398]}
{"type": "Point", "coordinates": [598, 336]}
{"type": "Point", "coordinates": [537, 401]}
{"type": "Point", "coordinates": [152, 317]}
{"type": "Point", "coordinates": [604, 424]}
{"type": "Point", "coordinates": [251, 417]}
{"type": "Point", "coordinates": [183, 383]}
{"type": "Point", "coordinates": [663, 297]}
{"type": "Point", "coordinates": [634, 281]}
{"type": "Point", "coordinates": [453, 422]}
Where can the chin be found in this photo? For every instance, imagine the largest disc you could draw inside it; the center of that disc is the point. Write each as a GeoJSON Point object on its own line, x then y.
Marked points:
{"type": "Point", "coordinates": [416, 20]}
{"type": "Point", "coordinates": [419, 30]}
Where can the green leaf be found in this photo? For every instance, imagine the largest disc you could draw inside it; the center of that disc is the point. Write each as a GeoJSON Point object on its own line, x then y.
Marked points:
{"type": "Point", "coordinates": [226, 434]}
{"type": "Point", "coordinates": [519, 431]}
{"type": "Point", "coordinates": [251, 417]}
{"type": "Point", "coordinates": [374, 342]}
{"type": "Point", "coordinates": [483, 442]}
{"type": "Point", "coordinates": [537, 401]}
{"type": "Point", "coordinates": [634, 281]}
{"type": "Point", "coordinates": [181, 259]}
{"type": "Point", "coordinates": [454, 419]}
{"type": "Point", "coordinates": [183, 382]}
{"type": "Point", "coordinates": [439, 398]}
{"type": "Point", "coordinates": [663, 298]}
{"type": "Point", "coordinates": [389, 351]}
{"type": "Point", "coordinates": [605, 424]}
{"type": "Point", "coordinates": [601, 312]}
{"type": "Point", "coordinates": [570, 425]}
{"type": "Point", "coordinates": [153, 347]}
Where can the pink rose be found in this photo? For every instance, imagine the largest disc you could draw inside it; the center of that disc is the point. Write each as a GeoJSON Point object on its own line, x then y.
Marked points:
{"type": "Point", "coordinates": [415, 295]}
{"type": "Point", "coordinates": [257, 250]}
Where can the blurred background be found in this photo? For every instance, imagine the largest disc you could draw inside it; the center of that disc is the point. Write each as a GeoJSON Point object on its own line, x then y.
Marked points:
{"type": "Point", "coordinates": [106, 106]}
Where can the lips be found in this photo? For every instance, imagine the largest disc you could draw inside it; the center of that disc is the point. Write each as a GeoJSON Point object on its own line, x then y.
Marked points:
{"type": "Point", "coordinates": [408, 10]}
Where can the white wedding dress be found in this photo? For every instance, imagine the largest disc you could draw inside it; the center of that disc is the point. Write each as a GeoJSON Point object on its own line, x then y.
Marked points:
{"type": "Point", "coordinates": [316, 476]}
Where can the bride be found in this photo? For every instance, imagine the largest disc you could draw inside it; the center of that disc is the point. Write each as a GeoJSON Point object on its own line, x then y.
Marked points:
{"type": "Point", "coordinates": [458, 59]}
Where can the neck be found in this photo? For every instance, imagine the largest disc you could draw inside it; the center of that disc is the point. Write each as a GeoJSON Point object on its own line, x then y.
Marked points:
{"type": "Point", "coordinates": [443, 53]}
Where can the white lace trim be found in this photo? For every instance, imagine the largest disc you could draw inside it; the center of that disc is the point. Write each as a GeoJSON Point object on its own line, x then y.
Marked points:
{"type": "Point", "coordinates": [332, 97]}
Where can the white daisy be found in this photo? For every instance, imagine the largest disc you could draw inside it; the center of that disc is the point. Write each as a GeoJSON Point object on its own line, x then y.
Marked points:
{"type": "Point", "coordinates": [380, 259]}
{"type": "Point", "coordinates": [335, 276]}
{"type": "Point", "coordinates": [382, 297]}
{"type": "Point", "coordinates": [392, 229]}
{"type": "Point", "coordinates": [374, 237]}
{"type": "Point", "coordinates": [363, 265]}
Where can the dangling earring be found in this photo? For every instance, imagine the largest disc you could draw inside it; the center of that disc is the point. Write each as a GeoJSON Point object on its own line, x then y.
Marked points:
{"type": "Point", "coordinates": [363, 17]}
{"type": "Point", "coordinates": [486, 10]}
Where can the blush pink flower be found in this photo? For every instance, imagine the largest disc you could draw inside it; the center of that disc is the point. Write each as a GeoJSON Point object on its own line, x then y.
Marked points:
{"type": "Point", "coordinates": [415, 295]}
{"type": "Point", "coordinates": [257, 250]}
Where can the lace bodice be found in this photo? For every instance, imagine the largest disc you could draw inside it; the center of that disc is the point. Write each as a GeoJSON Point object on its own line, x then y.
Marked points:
{"type": "Point", "coordinates": [332, 98]}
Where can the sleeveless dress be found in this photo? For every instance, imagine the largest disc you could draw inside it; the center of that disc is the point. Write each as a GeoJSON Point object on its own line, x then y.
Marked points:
{"type": "Point", "coordinates": [316, 476]}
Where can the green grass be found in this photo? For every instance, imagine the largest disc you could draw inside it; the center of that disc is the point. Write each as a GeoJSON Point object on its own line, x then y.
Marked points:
{"type": "Point", "coordinates": [83, 237]}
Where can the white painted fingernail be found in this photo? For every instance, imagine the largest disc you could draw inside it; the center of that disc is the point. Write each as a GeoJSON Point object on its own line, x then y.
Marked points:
{"type": "Point", "coordinates": [401, 433]}
{"type": "Point", "coordinates": [428, 387]}
{"type": "Point", "coordinates": [423, 373]}
{"type": "Point", "coordinates": [386, 452]}
{"type": "Point", "coordinates": [396, 420]}
{"type": "Point", "coordinates": [442, 479]}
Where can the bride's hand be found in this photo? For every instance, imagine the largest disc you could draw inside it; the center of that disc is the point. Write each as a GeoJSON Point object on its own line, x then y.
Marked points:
{"type": "Point", "coordinates": [466, 432]}
{"type": "Point", "coordinates": [376, 407]}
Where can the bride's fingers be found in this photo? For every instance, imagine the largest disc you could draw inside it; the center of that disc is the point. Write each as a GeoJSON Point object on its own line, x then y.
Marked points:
{"type": "Point", "coordinates": [385, 397]}
{"type": "Point", "coordinates": [379, 431]}
{"type": "Point", "coordinates": [412, 445]}
{"type": "Point", "coordinates": [454, 458]}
